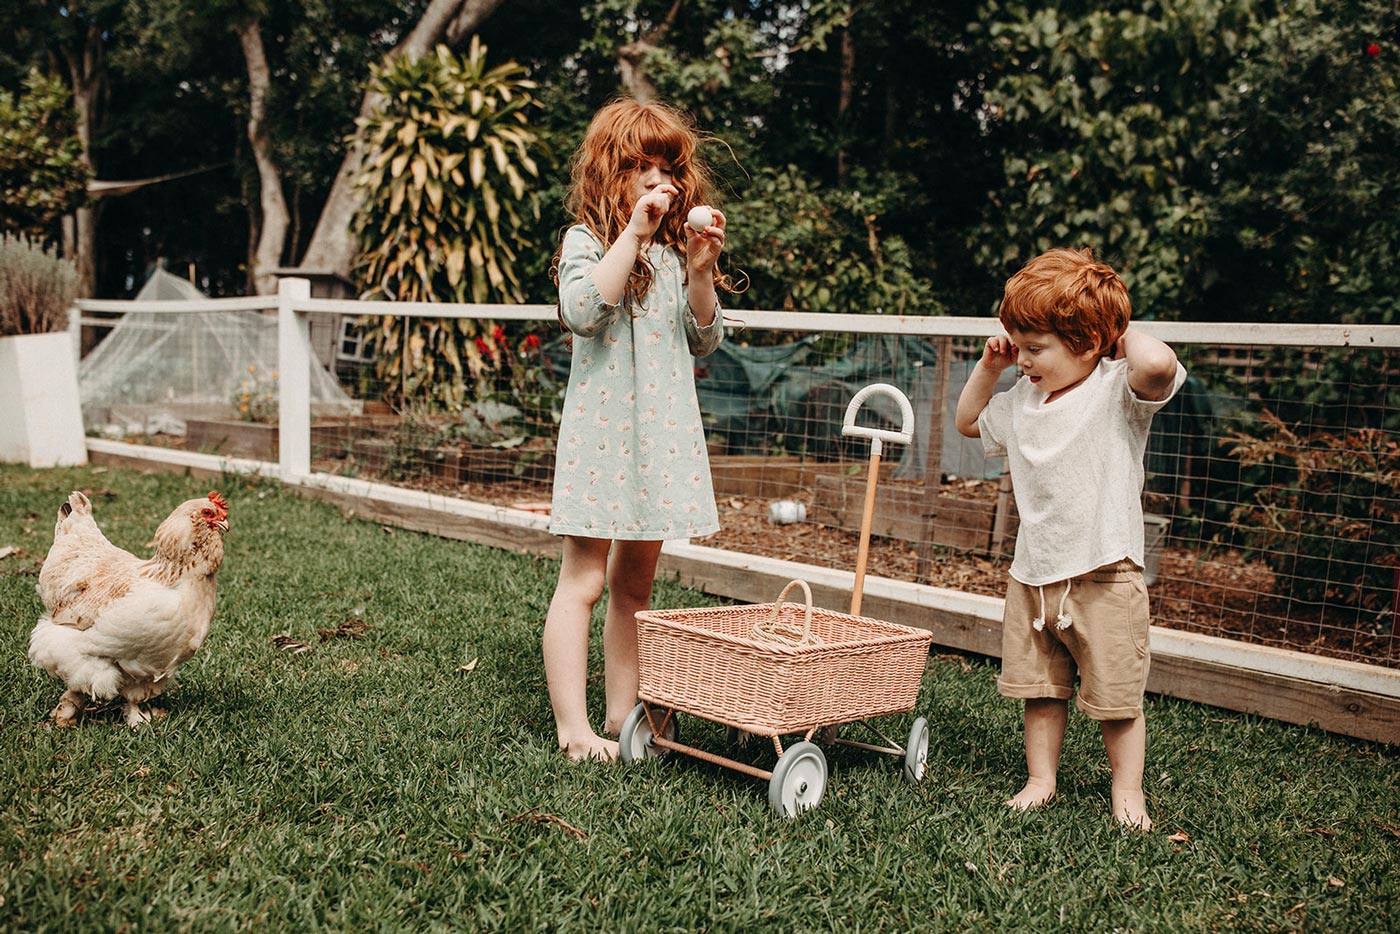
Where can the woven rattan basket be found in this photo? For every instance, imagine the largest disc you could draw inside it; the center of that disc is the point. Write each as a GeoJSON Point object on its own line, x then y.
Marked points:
{"type": "Point", "coordinates": [712, 663]}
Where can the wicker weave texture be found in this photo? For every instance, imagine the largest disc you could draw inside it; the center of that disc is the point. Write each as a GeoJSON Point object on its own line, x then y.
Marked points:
{"type": "Point", "coordinates": [707, 662]}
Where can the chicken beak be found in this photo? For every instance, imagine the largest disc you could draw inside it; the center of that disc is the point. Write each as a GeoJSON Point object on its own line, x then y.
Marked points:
{"type": "Point", "coordinates": [221, 525]}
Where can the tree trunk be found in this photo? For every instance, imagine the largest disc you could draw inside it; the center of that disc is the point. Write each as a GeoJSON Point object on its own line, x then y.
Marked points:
{"type": "Point", "coordinates": [843, 101]}
{"type": "Point", "coordinates": [332, 247]}
{"type": "Point", "coordinates": [631, 58]}
{"type": "Point", "coordinates": [87, 70]}
{"type": "Point", "coordinates": [273, 229]}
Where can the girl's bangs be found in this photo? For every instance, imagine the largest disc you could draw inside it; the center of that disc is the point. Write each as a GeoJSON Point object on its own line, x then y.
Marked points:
{"type": "Point", "coordinates": [654, 138]}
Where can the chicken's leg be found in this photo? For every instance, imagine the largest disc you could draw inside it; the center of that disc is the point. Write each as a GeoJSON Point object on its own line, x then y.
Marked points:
{"type": "Point", "coordinates": [69, 706]}
{"type": "Point", "coordinates": [139, 693]}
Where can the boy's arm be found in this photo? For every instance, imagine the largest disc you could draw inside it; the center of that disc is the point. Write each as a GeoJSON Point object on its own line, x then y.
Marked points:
{"type": "Point", "coordinates": [981, 384]}
{"type": "Point", "coordinates": [1151, 365]}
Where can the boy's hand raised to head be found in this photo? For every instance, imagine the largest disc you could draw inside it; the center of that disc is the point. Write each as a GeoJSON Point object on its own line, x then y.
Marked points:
{"type": "Point", "coordinates": [999, 353]}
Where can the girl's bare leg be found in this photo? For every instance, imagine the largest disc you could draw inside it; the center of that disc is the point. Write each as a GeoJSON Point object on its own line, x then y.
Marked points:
{"type": "Point", "coordinates": [1045, 737]}
{"type": "Point", "coordinates": [631, 571]}
{"type": "Point", "coordinates": [565, 645]}
{"type": "Point", "coordinates": [1126, 744]}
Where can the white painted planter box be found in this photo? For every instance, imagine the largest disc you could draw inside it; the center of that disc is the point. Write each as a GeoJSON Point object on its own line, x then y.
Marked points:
{"type": "Point", "coordinates": [41, 418]}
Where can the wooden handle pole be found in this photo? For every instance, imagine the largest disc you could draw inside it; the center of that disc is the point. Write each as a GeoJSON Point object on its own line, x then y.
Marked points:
{"type": "Point", "coordinates": [866, 517]}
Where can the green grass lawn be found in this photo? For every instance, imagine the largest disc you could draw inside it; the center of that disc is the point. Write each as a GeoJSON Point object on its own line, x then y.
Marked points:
{"type": "Point", "coordinates": [374, 783]}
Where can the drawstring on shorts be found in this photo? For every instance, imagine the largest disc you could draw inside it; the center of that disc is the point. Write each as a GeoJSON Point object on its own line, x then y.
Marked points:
{"type": "Point", "coordinates": [1063, 620]}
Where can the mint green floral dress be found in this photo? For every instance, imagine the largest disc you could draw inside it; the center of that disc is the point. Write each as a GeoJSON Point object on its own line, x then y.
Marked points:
{"type": "Point", "coordinates": [631, 460]}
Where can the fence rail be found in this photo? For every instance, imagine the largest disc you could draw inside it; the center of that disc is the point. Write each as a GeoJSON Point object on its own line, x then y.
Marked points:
{"type": "Point", "coordinates": [1273, 496]}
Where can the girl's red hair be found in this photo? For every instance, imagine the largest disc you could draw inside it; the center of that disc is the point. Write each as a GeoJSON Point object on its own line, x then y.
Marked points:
{"type": "Point", "coordinates": [621, 137]}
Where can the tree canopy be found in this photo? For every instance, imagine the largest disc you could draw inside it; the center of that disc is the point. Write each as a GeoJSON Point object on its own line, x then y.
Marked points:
{"type": "Point", "coordinates": [1235, 159]}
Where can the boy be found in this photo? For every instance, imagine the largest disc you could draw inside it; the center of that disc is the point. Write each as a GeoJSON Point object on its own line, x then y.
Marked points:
{"type": "Point", "coordinates": [1074, 430]}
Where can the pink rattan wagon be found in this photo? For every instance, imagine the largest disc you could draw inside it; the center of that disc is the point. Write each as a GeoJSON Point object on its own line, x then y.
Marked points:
{"type": "Point", "coordinates": [784, 668]}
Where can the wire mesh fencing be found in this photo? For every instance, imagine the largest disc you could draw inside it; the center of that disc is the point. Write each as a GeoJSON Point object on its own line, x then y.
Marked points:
{"type": "Point", "coordinates": [1271, 506]}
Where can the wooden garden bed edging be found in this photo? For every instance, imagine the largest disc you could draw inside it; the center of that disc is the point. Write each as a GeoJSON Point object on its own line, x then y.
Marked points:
{"type": "Point", "coordinates": [1343, 697]}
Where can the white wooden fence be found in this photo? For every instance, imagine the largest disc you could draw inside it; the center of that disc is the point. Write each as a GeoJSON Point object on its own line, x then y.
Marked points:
{"type": "Point", "coordinates": [1349, 697]}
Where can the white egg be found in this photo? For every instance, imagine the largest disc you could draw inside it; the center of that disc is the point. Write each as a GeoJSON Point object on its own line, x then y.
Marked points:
{"type": "Point", "coordinates": [786, 512]}
{"type": "Point", "coordinates": [700, 217]}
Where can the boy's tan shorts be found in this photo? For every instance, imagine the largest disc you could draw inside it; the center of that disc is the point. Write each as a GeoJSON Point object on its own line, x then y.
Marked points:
{"type": "Point", "coordinates": [1106, 642]}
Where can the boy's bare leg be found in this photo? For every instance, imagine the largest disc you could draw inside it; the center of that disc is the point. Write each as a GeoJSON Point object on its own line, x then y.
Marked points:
{"type": "Point", "coordinates": [1126, 744]}
{"type": "Point", "coordinates": [631, 571]}
{"type": "Point", "coordinates": [565, 646]}
{"type": "Point", "coordinates": [1045, 737]}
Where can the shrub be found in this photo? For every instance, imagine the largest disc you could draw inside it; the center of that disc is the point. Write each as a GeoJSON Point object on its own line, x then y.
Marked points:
{"type": "Point", "coordinates": [1328, 522]}
{"type": "Point", "coordinates": [42, 172]}
{"type": "Point", "coordinates": [449, 190]}
{"type": "Point", "coordinates": [37, 287]}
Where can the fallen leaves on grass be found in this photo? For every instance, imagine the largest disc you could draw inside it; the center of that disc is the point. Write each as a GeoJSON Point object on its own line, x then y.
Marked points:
{"type": "Point", "coordinates": [469, 666]}
{"type": "Point", "coordinates": [1180, 836]}
{"type": "Point", "coordinates": [288, 644]}
{"type": "Point", "coordinates": [1335, 882]}
{"type": "Point", "coordinates": [10, 550]}
{"type": "Point", "coordinates": [546, 818]}
{"type": "Point", "coordinates": [347, 629]}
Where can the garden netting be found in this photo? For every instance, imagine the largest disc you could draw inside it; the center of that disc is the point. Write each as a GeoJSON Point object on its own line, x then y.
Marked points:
{"type": "Point", "coordinates": [156, 369]}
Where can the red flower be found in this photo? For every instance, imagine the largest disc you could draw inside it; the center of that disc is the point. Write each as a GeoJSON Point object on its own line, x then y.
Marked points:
{"type": "Point", "coordinates": [531, 342]}
{"type": "Point", "coordinates": [482, 347]}
{"type": "Point", "coordinates": [497, 334]}
{"type": "Point", "coordinates": [1373, 50]}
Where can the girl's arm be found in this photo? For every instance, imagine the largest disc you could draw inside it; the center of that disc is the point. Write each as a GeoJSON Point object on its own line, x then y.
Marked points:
{"type": "Point", "coordinates": [997, 355]}
{"type": "Point", "coordinates": [610, 275]}
{"type": "Point", "coordinates": [701, 254]}
{"type": "Point", "coordinates": [1151, 365]}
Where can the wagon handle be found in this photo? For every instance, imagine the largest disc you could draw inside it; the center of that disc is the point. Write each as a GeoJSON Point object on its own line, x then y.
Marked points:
{"type": "Point", "coordinates": [775, 630]}
{"type": "Point", "coordinates": [905, 435]}
{"type": "Point", "coordinates": [876, 435]}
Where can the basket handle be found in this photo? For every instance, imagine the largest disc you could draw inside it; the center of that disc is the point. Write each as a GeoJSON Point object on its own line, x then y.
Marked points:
{"type": "Point", "coordinates": [774, 629]}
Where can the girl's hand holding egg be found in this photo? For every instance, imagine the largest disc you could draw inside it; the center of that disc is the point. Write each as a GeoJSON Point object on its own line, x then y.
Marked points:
{"type": "Point", "coordinates": [699, 218]}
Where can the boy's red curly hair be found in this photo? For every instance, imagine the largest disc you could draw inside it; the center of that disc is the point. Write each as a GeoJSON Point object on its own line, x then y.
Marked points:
{"type": "Point", "coordinates": [1069, 294]}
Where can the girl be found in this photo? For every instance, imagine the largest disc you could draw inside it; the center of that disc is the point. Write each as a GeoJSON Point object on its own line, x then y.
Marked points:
{"type": "Point", "coordinates": [637, 291]}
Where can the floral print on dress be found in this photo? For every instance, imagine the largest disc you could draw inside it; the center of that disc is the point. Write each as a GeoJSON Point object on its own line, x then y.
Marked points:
{"type": "Point", "coordinates": [631, 460]}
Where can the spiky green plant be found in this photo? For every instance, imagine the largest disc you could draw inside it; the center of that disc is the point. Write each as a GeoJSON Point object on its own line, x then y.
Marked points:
{"type": "Point", "coordinates": [449, 193]}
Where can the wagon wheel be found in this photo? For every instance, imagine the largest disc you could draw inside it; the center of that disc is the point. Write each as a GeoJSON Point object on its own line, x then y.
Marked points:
{"type": "Point", "coordinates": [916, 752]}
{"type": "Point", "coordinates": [635, 739]}
{"type": "Point", "coordinates": [799, 780]}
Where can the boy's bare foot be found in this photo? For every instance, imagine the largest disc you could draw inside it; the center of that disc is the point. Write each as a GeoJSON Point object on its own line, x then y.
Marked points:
{"type": "Point", "coordinates": [1130, 809]}
{"type": "Point", "coordinates": [590, 747]}
{"type": "Point", "coordinates": [1037, 792]}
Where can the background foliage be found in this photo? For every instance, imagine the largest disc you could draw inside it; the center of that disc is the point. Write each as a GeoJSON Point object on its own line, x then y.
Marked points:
{"type": "Point", "coordinates": [1235, 158]}
{"type": "Point", "coordinates": [42, 174]}
{"type": "Point", "coordinates": [448, 203]}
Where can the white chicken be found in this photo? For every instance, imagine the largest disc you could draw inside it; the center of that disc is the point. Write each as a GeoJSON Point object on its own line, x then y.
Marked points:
{"type": "Point", "coordinates": [117, 625]}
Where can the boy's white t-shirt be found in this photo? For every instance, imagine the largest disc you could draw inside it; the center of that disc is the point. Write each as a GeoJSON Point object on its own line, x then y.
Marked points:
{"type": "Point", "coordinates": [1076, 469]}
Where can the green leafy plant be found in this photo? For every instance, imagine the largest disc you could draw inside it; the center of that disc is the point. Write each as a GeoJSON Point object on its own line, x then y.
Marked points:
{"type": "Point", "coordinates": [256, 398]}
{"type": "Point", "coordinates": [1328, 519]}
{"type": "Point", "coordinates": [42, 172]}
{"type": "Point", "coordinates": [37, 286]}
{"type": "Point", "coordinates": [449, 200]}
{"type": "Point", "coordinates": [810, 249]}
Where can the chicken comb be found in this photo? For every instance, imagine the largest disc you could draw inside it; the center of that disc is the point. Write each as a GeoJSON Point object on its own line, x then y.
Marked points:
{"type": "Point", "coordinates": [219, 502]}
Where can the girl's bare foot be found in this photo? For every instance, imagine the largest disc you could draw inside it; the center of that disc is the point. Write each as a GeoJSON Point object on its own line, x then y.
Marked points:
{"type": "Point", "coordinates": [1130, 809]}
{"type": "Point", "coordinates": [1037, 792]}
{"type": "Point", "coordinates": [590, 747]}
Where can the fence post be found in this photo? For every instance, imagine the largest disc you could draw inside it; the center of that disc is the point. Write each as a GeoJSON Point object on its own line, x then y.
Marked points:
{"type": "Point", "coordinates": [75, 331]}
{"type": "Point", "coordinates": [293, 380]}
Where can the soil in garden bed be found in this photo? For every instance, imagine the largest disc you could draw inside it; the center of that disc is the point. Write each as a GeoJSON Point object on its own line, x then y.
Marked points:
{"type": "Point", "coordinates": [1219, 594]}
